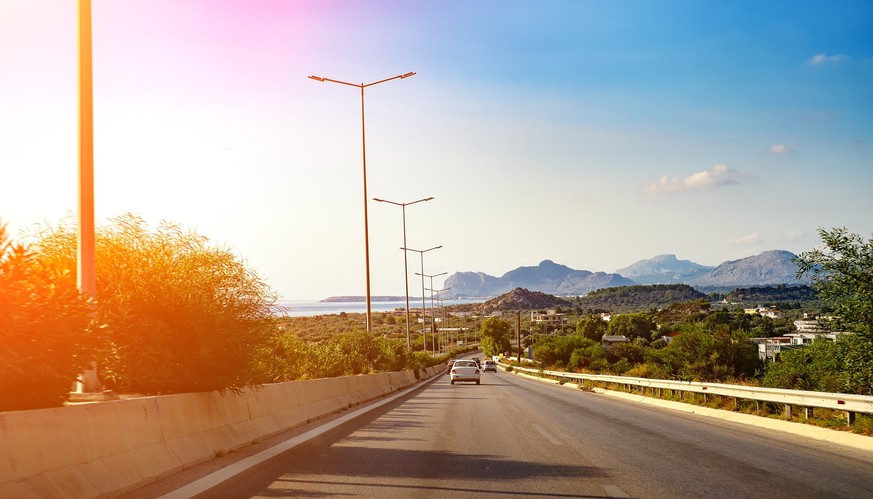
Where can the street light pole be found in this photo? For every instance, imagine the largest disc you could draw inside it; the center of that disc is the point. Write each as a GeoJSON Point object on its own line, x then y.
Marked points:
{"type": "Point", "coordinates": [423, 275]}
{"type": "Point", "coordinates": [423, 308]}
{"type": "Point", "coordinates": [86, 268]}
{"type": "Point", "coordinates": [362, 86]}
{"type": "Point", "coordinates": [443, 314]}
{"type": "Point", "coordinates": [405, 266]}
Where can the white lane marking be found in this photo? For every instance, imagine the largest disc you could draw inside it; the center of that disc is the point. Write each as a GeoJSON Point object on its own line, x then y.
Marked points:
{"type": "Point", "coordinates": [548, 436]}
{"type": "Point", "coordinates": [226, 473]}
{"type": "Point", "coordinates": [614, 491]}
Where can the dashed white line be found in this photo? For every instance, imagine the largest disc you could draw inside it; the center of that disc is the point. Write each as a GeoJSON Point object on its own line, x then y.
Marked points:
{"type": "Point", "coordinates": [548, 436]}
{"type": "Point", "coordinates": [614, 491]}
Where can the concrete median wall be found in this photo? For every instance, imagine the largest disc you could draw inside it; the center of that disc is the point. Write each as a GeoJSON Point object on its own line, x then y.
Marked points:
{"type": "Point", "coordinates": [107, 448]}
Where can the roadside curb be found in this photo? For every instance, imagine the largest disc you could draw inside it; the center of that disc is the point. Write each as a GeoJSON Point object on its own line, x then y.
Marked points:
{"type": "Point", "coordinates": [815, 432]}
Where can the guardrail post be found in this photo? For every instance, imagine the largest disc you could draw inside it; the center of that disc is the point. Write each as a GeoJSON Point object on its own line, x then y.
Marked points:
{"type": "Point", "coordinates": [850, 418]}
{"type": "Point", "coordinates": [787, 411]}
{"type": "Point", "coordinates": [736, 403]}
{"type": "Point", "coordinates": [808, 412]}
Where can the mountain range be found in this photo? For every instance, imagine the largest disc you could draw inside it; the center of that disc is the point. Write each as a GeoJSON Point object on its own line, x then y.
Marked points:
{"type": "Point", "coordinates": [769, 268]}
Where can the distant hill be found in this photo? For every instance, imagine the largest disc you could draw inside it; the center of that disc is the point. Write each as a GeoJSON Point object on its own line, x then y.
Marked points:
{"type": "Point", "coordinates": [770, 268]}
{"type": "Point", "coordinates": [664, 269]}
{"type": "Point", "coordinates": [475, 284]}
{"type": "Point", "coordinates": [770, 295]}
{"type": "Point", "coordinates": [637, 298]}
{"type": "Point", "coordinates": [523, 299]}
{"type": "Point", "coordinates": [766, 269]}
{"type": "Point", "coordinates": [547, 277]}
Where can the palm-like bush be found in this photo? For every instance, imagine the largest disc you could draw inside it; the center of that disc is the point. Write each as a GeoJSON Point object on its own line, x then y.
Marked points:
{"type": "Point", "coordinates": [45, 340]}
{"type": "Point", "coordinates": [178, 314]}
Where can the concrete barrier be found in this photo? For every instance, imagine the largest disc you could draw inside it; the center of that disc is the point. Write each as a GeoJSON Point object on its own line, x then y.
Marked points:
{"type": "Point", "coordinates": [107, 448]}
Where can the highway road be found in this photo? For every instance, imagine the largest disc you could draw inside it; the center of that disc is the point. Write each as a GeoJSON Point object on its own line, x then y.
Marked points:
{"type": "Point", "coordinates": [515, 437]}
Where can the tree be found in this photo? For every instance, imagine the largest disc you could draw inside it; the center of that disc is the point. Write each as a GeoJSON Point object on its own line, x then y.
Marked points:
{"type": "Point", "coordinates": [180, 315]}
{"type": "Point", "coordinates": [489, 346]}
{"type": "Point", "coordinates": [45, 338]}
{"type": "Point", "coordinates": [592, 327]}
{"type": "Point", "coordinates": [818, 367]}
{"type": "Point", "coordinates": [495, 336]}
{"type": "Point", "coordinates": [554, 350]}
{"type": "Point", "coordinates": [717, 356]}
{"type": "Point", "coordinates": [843, 276]}
{"type": "Point", "coordinates": [632, 326]}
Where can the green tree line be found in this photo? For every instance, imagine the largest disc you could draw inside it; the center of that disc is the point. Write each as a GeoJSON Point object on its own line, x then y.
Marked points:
{"type": "Point", "coordinates": [716, 345]}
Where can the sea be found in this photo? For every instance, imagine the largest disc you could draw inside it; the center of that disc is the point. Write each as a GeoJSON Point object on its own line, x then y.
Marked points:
{"type": "Point", "coordinates": [305, 308]}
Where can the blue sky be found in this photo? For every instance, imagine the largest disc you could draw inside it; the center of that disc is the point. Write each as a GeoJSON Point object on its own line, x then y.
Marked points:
{"type": "Point", "coordinates": [594, 134]}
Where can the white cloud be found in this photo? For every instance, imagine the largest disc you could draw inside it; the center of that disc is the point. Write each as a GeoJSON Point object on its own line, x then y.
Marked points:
{"type": "Point", "coordinates": [780, 149]}
{"type": "Point", "coordinates": [752, 238]}
{"type": "Point", "coordinates": [717, 176]}
{"type": "Point", "coordinates": [823, 58]}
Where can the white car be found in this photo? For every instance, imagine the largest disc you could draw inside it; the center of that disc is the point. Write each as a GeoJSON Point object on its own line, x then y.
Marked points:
{"type": "Point", "coordinates": [489, 365]}
{"type": "Point", "coordinates": [464, 370]}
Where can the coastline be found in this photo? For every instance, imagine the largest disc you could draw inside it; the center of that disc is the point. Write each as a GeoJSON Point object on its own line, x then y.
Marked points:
{"type": "Point", "coordinates": [309, 308]}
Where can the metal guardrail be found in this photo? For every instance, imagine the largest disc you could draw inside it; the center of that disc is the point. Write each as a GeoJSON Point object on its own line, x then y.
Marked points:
{"type": "Point", "coordinates": [849, 403]}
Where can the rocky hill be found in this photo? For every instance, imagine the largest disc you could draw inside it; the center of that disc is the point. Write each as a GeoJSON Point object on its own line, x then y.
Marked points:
{"type": "Point", "coordinates": [664, 269]}
{"type": "Point", "coordinates": [523, 299]}
{"type": "Point", "coordinates": [769, 268]}
{"type": "Point", "coordinates": [547, 277]}
{"type": "Point", "coordinates": [475, 284]}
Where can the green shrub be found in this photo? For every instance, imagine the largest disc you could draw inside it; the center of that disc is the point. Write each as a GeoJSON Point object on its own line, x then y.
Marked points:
{"type": "Point", "coordinates": [45, 338]}
{"type": "Point", "coordinates": [178, 314]}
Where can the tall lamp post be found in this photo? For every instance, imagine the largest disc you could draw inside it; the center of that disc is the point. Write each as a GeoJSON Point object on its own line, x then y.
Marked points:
{"type": "Point", "coordinates": [423, 275]}
{"type": "Point", "coordinates": [362, 86]}
{"type": "Point", "coordinates": [443, 315]}
{"type": "Point", "coordinates": [423, 308]}
{"type": "Point", "coordinates": [405, 266]}
{"type": "Point", "coordinates": [86, 274]}
{"type": "Point", "coordinates": [85, 268]}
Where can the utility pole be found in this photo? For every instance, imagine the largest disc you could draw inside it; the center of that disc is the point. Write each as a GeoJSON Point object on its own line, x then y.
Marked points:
{"type": "Point", "coordinates": [518, 333]}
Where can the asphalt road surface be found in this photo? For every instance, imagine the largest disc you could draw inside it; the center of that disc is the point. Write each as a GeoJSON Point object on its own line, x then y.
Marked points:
{"type": "Point", "coordinates": [514, 437]}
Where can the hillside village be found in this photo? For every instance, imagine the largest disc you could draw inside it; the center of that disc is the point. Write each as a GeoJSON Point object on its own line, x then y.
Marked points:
{"type": "Point", "coordinates": [669, 304]}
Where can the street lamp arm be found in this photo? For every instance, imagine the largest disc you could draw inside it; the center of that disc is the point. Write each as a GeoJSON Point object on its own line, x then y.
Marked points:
{"type": "Point", "coordinates": [420, 200]}
{"type": "Point", "coordinates": [421, 251]}
{"type": "Point", "coordinates": [402, 204]}
{"type": "Point", "coordinates": [361, 85]}
{"type": "Point", "coordinates": [432, 276]}
{"type": "Point", "coordinates": [401, 77]}
{"type": "Point", "coordinates": [323, 79]}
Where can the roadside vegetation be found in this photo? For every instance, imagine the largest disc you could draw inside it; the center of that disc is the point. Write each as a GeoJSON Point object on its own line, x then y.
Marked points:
{"type": "Point", "coordinates": [715, 345]}
{"type": "Point", "coordinates": [45, 330]}
{"type": "Point", "coordinates": [173, 313]}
